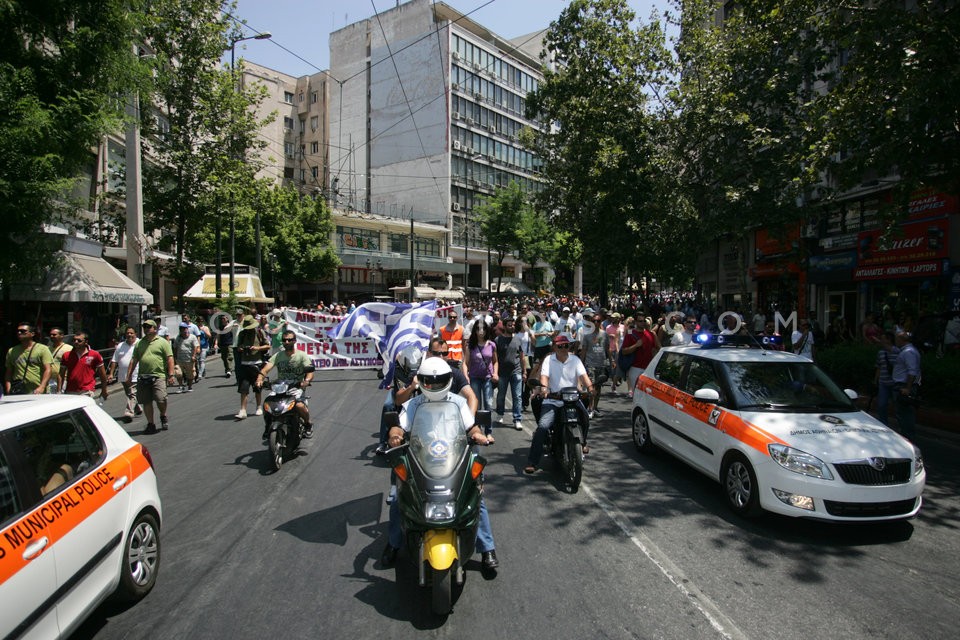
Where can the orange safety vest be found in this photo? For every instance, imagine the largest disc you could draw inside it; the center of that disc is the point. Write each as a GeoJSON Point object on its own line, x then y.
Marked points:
{"type": "Point", "coordinates": [454, 340]}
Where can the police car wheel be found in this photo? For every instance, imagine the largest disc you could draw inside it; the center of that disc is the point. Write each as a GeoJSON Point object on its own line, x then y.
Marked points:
{"type": "Point", "coordinates": [641, 432]}
{"type": "Point", "coordinates": [740, 485]}
{"type": "Point", "coordinates": [141, 559]}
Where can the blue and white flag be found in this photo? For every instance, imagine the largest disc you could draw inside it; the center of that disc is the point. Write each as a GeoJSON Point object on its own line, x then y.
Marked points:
{"type": "Point", "coordinates": [394, 325]}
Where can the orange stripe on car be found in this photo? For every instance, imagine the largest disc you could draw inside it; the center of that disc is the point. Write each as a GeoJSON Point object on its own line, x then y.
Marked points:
{"type": "Point", "coordinates": [55, 517]}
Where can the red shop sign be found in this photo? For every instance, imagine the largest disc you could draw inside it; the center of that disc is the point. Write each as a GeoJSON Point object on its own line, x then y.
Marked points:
{"type": "Point", "coordinates": [913, 242]}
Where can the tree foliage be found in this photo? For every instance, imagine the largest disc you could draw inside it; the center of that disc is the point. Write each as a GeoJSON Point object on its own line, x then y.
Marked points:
{"type": "Point", "coordinates": [600, 150]}
{"type": "Point", "coordinates": [500, 221]}
{"type": "Point", "coordinates": [63, 64]}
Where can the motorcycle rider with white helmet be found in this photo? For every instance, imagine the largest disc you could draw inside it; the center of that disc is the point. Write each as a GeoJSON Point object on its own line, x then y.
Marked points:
{"type": "Point", "coordinates": [435, 379]}
{"type": "Point", "coordinates": [402, 389]}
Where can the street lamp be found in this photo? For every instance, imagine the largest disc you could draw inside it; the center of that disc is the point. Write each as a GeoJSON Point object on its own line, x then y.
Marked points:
{"type": "Point", "coordinates": [266, 35]}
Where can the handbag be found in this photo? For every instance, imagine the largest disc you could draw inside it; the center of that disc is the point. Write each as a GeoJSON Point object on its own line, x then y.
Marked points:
{"type": "Point", "coordinates": [19, 387]}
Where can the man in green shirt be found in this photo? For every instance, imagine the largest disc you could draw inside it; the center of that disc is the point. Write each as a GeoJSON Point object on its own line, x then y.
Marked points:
{"type": "Point", "coordinates": [154, 357]}
{"type": "Point", "coordinates": [291, 365]}
{"type": "Point", "coordinates": [28, 364]}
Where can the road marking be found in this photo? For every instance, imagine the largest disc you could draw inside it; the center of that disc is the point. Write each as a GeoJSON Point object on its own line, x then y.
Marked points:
{"type": "Point", "coordinates": [720, 622]}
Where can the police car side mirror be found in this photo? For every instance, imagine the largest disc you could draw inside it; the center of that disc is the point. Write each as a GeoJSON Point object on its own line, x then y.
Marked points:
{"type": "Point", "coordinates": [483, 418]}
{"type": "Point", "coordinates": [853, 395]}
{"type": "Point", "coordinates": [391, 419]}
{"type": "Point", "coordinates": [707, 395]}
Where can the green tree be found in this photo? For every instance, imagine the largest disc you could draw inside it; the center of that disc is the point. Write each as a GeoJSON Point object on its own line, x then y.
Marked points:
{"type": "Point", "coordinates": [599, 159]}
{"type": "Point", "coordinates": [500, 221]}
{"type": "Point", "coordinates": [62, 65]}
{"type": "Point", "coordinates": [205, 146]}
{"type": "Point", "coordinates": [535, 237]}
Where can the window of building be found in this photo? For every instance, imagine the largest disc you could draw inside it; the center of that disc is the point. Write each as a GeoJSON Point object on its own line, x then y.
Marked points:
{"type": "Point", "coordinates": [300, 97]}
{"type": "Point", "coordinates": [303, 125]}
{"type": "Point", "coordinates": [357, 238]}
{"type": "Point", "coordinates": [314, 123]}
{"type": "Point", "coordinates": [314, 97]}
{"type": "Point", "coordinates": [288, 97]}
{"type": "Point", "coordinates": [289, 148]}
{"type": "Point", "coordinates": [287, 122]}
{"type": "Point", "coordinates": [399, 243]}
{"type": "Point", "coordinates": [314, 147]}
{"type": "Point", "coordinates": [315, 172]}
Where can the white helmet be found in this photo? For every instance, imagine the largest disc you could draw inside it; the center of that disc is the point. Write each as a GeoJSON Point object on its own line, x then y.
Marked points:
{"type": "Point", "coordinates": [435, 377]}
{"type": "Point", "coordinates": [408, 361]}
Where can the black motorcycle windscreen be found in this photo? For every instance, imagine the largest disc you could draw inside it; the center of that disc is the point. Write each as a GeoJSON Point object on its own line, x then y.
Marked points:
{"type": "Point", "coordinates": [438, 438]}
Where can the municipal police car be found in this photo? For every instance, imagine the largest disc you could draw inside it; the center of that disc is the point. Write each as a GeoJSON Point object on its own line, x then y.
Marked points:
{"type": "Point", "coordinates": [79, 514]}
{"type": "Point", "coordinates": [776, 432]}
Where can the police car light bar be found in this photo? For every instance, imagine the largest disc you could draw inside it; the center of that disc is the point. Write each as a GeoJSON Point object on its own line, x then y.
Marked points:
{"type": "Point", "coordinates": [716, 340]}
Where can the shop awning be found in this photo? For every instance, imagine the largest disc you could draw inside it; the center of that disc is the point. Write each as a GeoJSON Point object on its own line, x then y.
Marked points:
{"type": "Point", "coordinates": [419, 293]}
{"type": "Point", "coordinates": [82, 278]}
{"type": "Point", "coordinates": [449, 294]}
{"type": "Point", "coordinates": [247, 287]}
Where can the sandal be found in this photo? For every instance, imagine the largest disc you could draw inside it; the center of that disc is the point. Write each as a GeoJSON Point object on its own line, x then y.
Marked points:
{"type": "Point", "coordinates": [529, 469]}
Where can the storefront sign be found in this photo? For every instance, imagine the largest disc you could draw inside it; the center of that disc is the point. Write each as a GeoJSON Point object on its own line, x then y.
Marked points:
{"type": "Point", "coordinates": [926, 203]}
{"type": "Point", "coordinates": [913, 242]}
{"type": "Point", "coordinates": [910, 270]}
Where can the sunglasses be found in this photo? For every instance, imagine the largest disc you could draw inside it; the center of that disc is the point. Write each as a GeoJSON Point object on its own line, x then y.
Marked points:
{"type": "Point", "coordinates": [563, 346]}
{"type": "Point", "coordinates": [439, 353]}
{"type": "Point", "coordinates": [289, 339]}
{"type": "Point", "coordinates": [78, 341]}
{"type": "Point", "coordinates": [23, 330]}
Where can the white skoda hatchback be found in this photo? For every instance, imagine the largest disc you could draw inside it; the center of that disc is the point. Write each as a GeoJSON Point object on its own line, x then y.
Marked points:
{"type": "Point", "coordinates": [79, 514]}
{"type": "Point", "coordinates": [776, 432]}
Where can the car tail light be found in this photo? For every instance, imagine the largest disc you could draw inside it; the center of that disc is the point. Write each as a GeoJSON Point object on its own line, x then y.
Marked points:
{"type": "Point", "coordinates": [146, 454]}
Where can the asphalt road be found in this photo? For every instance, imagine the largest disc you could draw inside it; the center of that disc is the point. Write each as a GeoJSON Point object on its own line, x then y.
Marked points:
{"type": "Point", "coordinates": [646, 549]}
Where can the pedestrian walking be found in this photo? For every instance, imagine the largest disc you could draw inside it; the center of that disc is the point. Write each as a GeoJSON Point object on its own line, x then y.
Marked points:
{"type": "Point", "coordinates": [186, 348]}
{"type": "Point", "coordinates": [80, 368]}
{"type": "Point", "coordinates": [906, 383]}
{"type": "Point", "coordinates": [154, 357]}
{"type": "Point", "coordinates": [28, 364]}
{"type": "Point", "coordinates": [120, 367]}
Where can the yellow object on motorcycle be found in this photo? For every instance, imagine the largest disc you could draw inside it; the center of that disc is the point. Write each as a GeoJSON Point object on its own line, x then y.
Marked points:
{"type": "Point", "coordinates": [440, 548]}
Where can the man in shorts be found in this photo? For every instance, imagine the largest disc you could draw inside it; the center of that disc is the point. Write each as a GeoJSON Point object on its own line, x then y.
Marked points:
{"type": "Point", "coordinates": [153, 361]}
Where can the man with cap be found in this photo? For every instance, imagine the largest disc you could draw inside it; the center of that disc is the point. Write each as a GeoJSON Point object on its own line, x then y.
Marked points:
{"type": "Point", "coordinates": [186, 350]}
{"type": "Point", "coordinates": [251, 349]}
{"type": "Point", "coordinates": [560, 369]}
{"type": "Point", "coordinates": [153, 361]}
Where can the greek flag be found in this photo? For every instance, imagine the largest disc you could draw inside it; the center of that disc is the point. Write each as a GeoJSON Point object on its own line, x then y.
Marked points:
{"type": "Point", "coordinates": [394, 325]}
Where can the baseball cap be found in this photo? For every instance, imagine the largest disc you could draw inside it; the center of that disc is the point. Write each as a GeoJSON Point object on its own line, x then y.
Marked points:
{"type": "Point", "coordinates": [566, 309]}
{"type": "Point", "coordinates": [588, 311]}
{"type": "Point", "coordinates": [149, 323]}
{"type": "Point", "coordinates": [184, 325]}
{"type": "Point", "coordinates": [561, 339]}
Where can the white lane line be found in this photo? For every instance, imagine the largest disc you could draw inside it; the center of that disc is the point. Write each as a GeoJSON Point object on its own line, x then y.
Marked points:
{"type": "Point", "coordinates": [697, 598]}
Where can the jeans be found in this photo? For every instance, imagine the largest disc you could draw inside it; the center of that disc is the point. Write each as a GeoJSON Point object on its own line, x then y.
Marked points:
{"type": "Point", "coordinates": [514, 381]}
{"type": "Point", "coordinates": [906, 414]}
{"type": "Point", "coordinates": [484, 542]}
{"type": "Point", "coordinates": [548, 415]}
{"type": "Point", "coordinates": [483, 388]}
{"type": "Point", "coordinates": [884, 396]}
{"type": "Point", "coordinates": [388, 405]}
{"type": "Point", "coordinates": [202, 363]}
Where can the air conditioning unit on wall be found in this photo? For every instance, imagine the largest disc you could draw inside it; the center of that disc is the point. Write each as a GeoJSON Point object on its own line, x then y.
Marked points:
{"type": "Point", "coordinates": [456, 145]}
{"type": "Point", "coordinates": [455, 206]}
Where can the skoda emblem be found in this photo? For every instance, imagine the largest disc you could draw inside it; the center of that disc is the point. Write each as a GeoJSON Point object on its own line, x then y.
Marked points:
{"type": "Point", "coordinates": [877, 463]}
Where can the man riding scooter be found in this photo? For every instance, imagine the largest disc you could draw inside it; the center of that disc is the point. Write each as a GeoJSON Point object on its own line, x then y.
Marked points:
{"type": "Point", "coordinates": [291, 365]}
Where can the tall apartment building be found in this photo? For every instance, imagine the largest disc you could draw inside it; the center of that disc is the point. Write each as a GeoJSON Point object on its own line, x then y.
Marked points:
{"type": "Point", "coordinates": [425, 107]}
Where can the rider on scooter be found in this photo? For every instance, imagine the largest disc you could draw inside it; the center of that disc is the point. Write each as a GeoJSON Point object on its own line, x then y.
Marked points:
{"type": "Point", "coordinates": [291, 365]}
{"type": "Point", "coordinates": [560, 369]}
{"type": "Point", "coordinates": [435, 380]}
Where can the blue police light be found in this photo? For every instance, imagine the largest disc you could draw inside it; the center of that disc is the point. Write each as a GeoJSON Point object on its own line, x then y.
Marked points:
{"type": "Point", "coordinates": [703, 338]}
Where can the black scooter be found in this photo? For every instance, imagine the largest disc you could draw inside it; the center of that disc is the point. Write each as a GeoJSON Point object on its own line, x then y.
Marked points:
{"type": "Point", "coordinates": [565, 438]}
{"type": "Point", "coordinates": [440, 481]}
{"type": "Point", "coordinates": [284, 425]}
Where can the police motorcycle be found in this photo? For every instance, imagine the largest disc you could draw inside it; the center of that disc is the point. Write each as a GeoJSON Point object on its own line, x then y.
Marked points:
{"type": "Point", "coordinates": [283, 424]}
{"type": "Point", "coordinates": [565, 437]}
{"type": "Point", "coordinates": [440, 482]}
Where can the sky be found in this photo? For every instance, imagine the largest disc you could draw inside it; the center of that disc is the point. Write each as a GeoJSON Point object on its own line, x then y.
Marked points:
{"type": "Point", "coordinates": [300, 27]}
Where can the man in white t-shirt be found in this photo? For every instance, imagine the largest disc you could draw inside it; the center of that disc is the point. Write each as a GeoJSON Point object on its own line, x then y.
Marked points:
{"type": "Point", "coordinates": [119, 364]}
{"type": "Point", "coordinates": [802, 340]}
{"type": "Point", "coordinates": [560, 369]}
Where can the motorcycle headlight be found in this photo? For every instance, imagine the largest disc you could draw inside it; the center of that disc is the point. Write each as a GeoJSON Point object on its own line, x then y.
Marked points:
{"type": "Point", "coordinates": [918, 464]}
{"type": "Point", "coordinates": [571, 395]}
{"type": "Point", "coordinates": [439, 511]}
{"type": "Point", "coordinates": [799, 461]}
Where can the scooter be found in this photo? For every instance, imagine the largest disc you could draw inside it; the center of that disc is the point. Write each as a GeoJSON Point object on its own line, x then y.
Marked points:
{"type": "Point", "coordinates": [440, 481]}
{"type": "Point", "coordinates": [284, 425]}
{"type": "Point", "coordinates": [565, 438]}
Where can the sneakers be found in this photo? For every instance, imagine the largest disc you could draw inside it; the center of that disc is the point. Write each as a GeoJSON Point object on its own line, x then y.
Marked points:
{"type": "Point", "coordinates": [259, 411]}
{"type": "Point", "coordinates": [500, 418]}
{"type": "Point", "coordinates": [151, 429]}
{"type": "Point", "coordinates": [241, 414]}
{"type": "Point", "coordinates": [189, 388]}
{"type": "Point", "coordinates": [518, 425]}
{"type": "Point", "coordinates": [591, 414]}
{"type": "Point", "coordinates": [164, 423]}
{"type": "Point", "coordinates": [308, 432]}
{"type": "Point", "coordinates": [183, 389]}
{"type": "Point", "coordinates": [228, 374]}
{"type": "Point", "coordinates": [128, 418]}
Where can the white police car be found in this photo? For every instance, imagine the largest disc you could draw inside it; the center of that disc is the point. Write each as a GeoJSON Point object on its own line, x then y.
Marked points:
{"type": "Point", "coordinates": [776, 432]}
{"type": "Point", "coordinates": [79, 514]}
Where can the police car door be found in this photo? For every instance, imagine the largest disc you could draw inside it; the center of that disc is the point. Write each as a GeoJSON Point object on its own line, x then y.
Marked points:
{"type": "Point", "coordinates": [660, 386]}
{"type": "Point", "coordinates": [89, 554]}
{"type": "Point", "coordinates": [703, 441]}
{"type": "Point", "coordinates": [28, 575]}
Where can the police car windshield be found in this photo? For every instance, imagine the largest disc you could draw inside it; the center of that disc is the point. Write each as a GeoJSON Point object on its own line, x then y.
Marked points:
{"type": "Point", "coordinates": [785, 386]}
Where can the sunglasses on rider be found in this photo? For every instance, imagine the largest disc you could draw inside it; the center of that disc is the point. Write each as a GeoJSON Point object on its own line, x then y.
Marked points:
{"type": "Point", "coordinates": [563, 346]}
{"type": "Point", "coordinates": [289, 339]}
{"type": "Point", "coordinates": [441, 354]}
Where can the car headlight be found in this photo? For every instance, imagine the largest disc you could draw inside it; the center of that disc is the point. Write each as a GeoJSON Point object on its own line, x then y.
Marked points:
{"type": "Point", "coordinates": [918, 464]}
{"type": "Point", "coordinates": [799, 461]}
{"type": "Point", "coordinates": [439, 511]}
